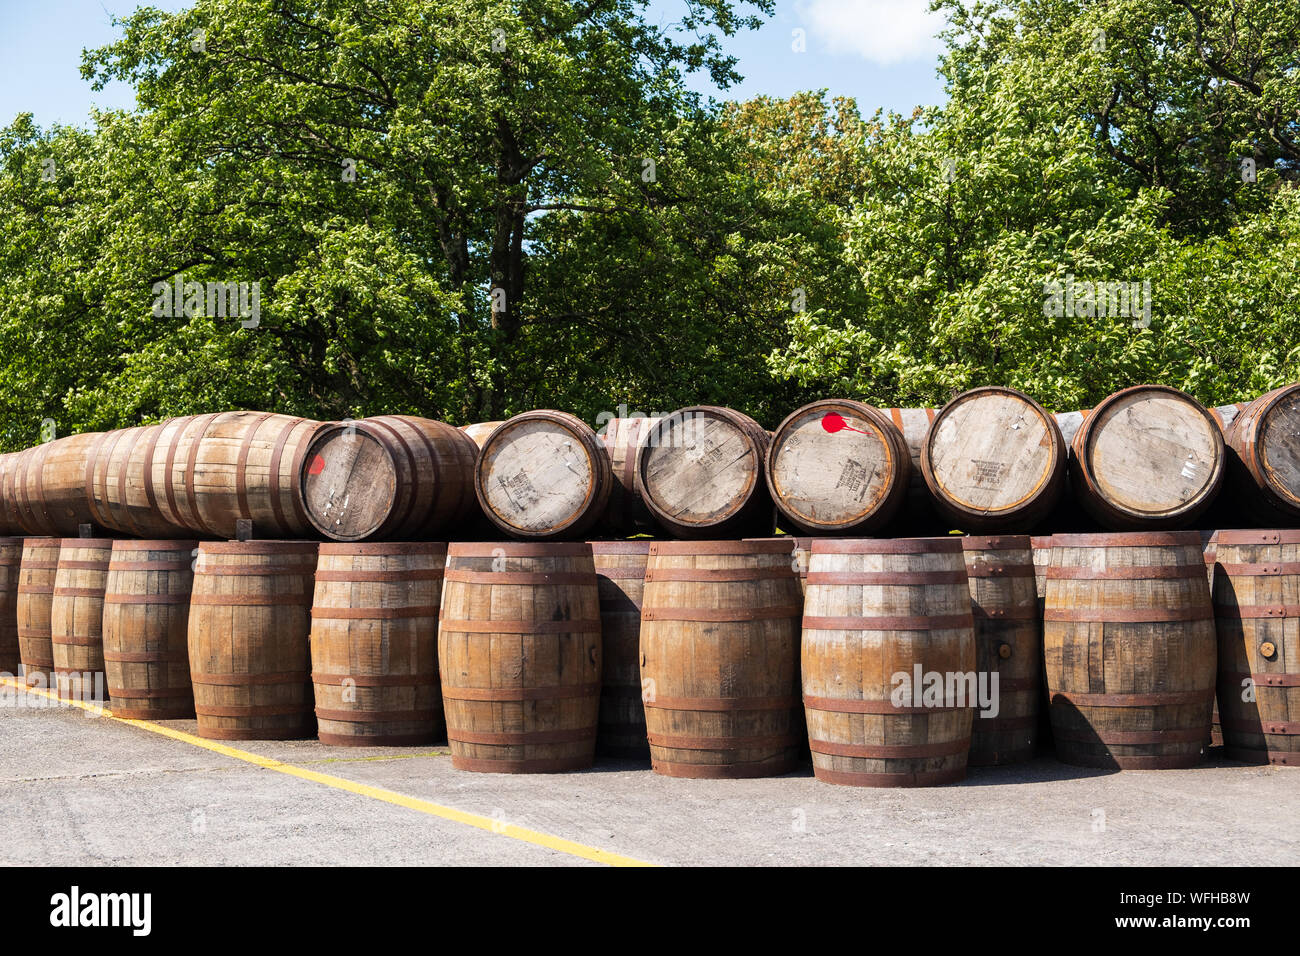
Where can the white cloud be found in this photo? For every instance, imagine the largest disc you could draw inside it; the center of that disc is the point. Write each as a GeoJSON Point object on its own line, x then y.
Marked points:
{"type": "Point", "coordinates": [883, 32]}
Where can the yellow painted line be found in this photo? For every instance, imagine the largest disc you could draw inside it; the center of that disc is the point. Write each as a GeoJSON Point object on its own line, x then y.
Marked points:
{"type": "Point", "coordinates": [498, 827]}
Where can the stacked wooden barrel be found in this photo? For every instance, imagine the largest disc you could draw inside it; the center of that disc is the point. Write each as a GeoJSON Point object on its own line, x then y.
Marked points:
{"type": "Point", "coordinates": [48, 485]}
{"type": "Point", "coordinates": [1264, 440]}
{"type": "Point", "coordinates": [127, 488]}
{"type": "Point", "coordinates": [77, 617]}
{"type": "Point", "coordinates": [626, 513]}
{"type": "Point", "coordinates": [40, 563]}
{"type": "Point", "coordinates": [620, 575]}
{"type": "Point", "coordinates": [11, 558]}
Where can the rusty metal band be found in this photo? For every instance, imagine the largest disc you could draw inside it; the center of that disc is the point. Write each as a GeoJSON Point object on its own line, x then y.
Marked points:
{"type": "Point", "coordinates": [374, 613]}
{"type": "Point", "coordinates": [1129, 737]}
{"type": "Point", "coordinates": [1129, 539]}
{"type": "Point", "coordinates": [1024, 613]}
{"type": "Point", "coordinates": [719, 704]}
{"type": "Point", "coordinates": [620, 547]}
{"type": "Point", "coordinates": [517, 694]}
{"type": "Point", "coordinates": [256, 570]}
{"type": "Point", "coordinates": [32, 660]}
{"type": "Point", "coordinates": [377, 740]}
{"type": "Point", "coordinates": [706, 575]}
{"type": "Point", "coordinates": [186, 547]}
{"type": "Point", "coordinates": [147, 657]}
{"type": "Point", "coordinates": [1150, 615]}
{"type": "Point", "coordinates": [748, 546]}
{"type": "Point", "coordinates": [148, 599]}
{"type": "Point", "coordinates": [385, 549]}
{"type": "Point", "coordinates": [731, 770]}
{"type": "Point", "coordinates": [838, 705]}
{"type": "Point", "coordinates": [996, 542]}
{"type": "Point", "coordinates": [713, 615]}
{"type": "Point", "coordinates": [35, 589]}
{"type": "Point", "coordinates": [947, 748]}
{"type": "Point", "coordinates": [1279, 727]}
{"type": "Point", "coordinates": [83, 565]}
{"type": "Point", "coordinates": [994, 725]}
{"type": "Point", "coordinates": [251, 710]}
{"type": "Point", "coordinates": [146, 693]}
{"type": "Point", "coordinates": [1256, 611]}
{"type": "Point", "coordinates": [886, 546]}
{"type": "Point", "coordinates": [1147, 573]}
{"type": "Point", "coordinates": [251, 600]}
{"type": "Point", "coordinates": [376, 680]}
{"type": "Point", "coordinates": [540, 765]}
{"type": "Point", "coordinates": [40, 565]}
{"type": "Point", "coordinates": [383, 577]}
{"type": "Point", "coordinates": [1262, 680]}
{"type": "Point", "coordinates": [887, 577]}
{"type": "Point", "coordinates": [517, 738]}
{"type": "Point", "coordinates": [244, 680]}
{"type": "Point", "coordinates": [981, 570]}
{"type": "Point", "coordinates": [93, 459]}
{"type": "Point", "coordinates": [518, 549]}
{"type": "Point", "coordinates": [260, 547]}
{"type": "Point", "coordinates": [1260, 570]}
{"type": "Point", "coordinates": [905, 778]}
{"type": "Point", "coordinates": [621, 573]}
{"type": "Point", "coordinates": [273, 469]}
{"type": "Point", "coordinates": [302, 731]}
{"type": "Point", "coordinates": [191, 499]}
{"type": "Point", "coordinates": [1165, 699]}
{"type": "Point", "coordinates": [76, 640]}
{"type": "Point", "coordinates": [150, 495]}
{"type": "Point", "coordinates": [241, 465]}
{"type": "Point", "coordinates": [1280, 758]}
{"type": "Point", "coordinates": [918, 623]}
{"type": "Point", "coordinates": [1273, 536]}
{"type": "Point", "coordinates": [378, 716]}
{"type": "Point", "coordinates": [116, 565]}
{"type": "Point", "coordinates": [521, 577]}
{"type": "Point", "coordinates": [122, 490]}
{"type": "Point", "coordinates": [520, 627]}
{"type": "Point", "coordinates": [78, 592]}
{"type": "Point", "coordinates": [386, 434]}
{"type": "Point", "coordinates": [685, 742]}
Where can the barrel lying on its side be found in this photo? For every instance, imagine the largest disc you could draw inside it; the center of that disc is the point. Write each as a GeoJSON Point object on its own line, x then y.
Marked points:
{"type": "Point", "coordinates": [126, 486]}
{"type": "Point", "coordinates": [49, 489]}
{"type": "Point", "coordinates": [626, 513]}
{"type": "Point", "coordinates": [1264, 460]}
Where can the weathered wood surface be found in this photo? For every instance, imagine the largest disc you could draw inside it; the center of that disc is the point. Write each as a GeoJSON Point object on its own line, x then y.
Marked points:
{"type": "Point", "coordinates": [519, 654]}
{"type": "Point", "coordinates": [837, 467]}
{"type": "Point", "coordinates": [626, 513]}
{"type": "Point", "coordinates": [1148, 457]}
{"type": "Point", "coordinates": [249, 627]}
{"type": "Point", "coordinates": [543, 475]}
{"type": "Point", "coordinates": [40, 563]}
{"type": "Point", "coordinates": [1257, 612]}
{"type": "Point", "coordinates": [9, 523]}
{"type": "Point", "coordinates": [11, 559]}
{"type": "Point", "coordinates": [390, 477]}
{"type": "Point", "coordinates": [620, 576]}
{"type": "Point", "coordinates": [77, 617]}
{"type": "Point", "coordinates": [1041, 547]}
{"type": "Point", "coordinates": [479, 432]}
{"type": "Point", "coordinates": [700, 472]}
{"type": "Point", "coordinates": [1129, 642]}
{"type": "Point", "coordinates": [720, 658]}
{"type": "Point", "coordinates": [1004, 603]}
{"type": "Point", "coordinates": [126, 488]}
{"type": "Point", "coordinates": [994, 460]}
{"type": "Point", "coordinates": [146, 619]}
{"type": "Point", "coordinates": [49, 483]}
{"type": "Point", "coordinates": [875, 611]}
{"type": "Point", "coordinates": [1264, 459]}
{"type": "Point", "coordinates": [374, 644]}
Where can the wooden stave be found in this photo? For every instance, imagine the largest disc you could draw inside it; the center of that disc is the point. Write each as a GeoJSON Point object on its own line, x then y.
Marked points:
{"type": "Point", "coordinates": [625, 512]}
{"type": "Point", "coordinates": [77, 616]}
{"type": "Point", "coordinates": [11, 556]}
{"type": "Point", "coordinates": [50, 486]}
{"type": "Point", "coordinates": [1265, 497]}
{"type": "Point", "coordinates": [480, 432]}
{"type": "Point", "coordinates": [35, 593]}
{"type": "Point", "coordinates": [120, 469]}
{"type": "Point", "coordinates": [620, 577]}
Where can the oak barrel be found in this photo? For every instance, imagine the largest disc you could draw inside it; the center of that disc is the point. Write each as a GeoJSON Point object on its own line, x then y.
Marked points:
{"type": "Point", "coordinates": [40, 563]}
{"type": "Point", "coordinates": [390, 477]}
{"type": "Point", "coordinates": [837, 467]}
{"type": "Point", "coordinates": [1147, 457]}
{"type": "Point", "coordinates": [1264, 459]}
{"type": "Point", "coordinates": [700, 472]}
{"type": "Point", "coordinates": [248, 638]}
{"type": "Point", "coordinates": [126, 485]}
{"type": "Point", "coordinates": [146, 618]}
{"type": "Point", "coordinates": [77, 617]}
{"type": "Point", "coordinates": [626, 513]}
{"type": "Point", "coordinates": [994, 460]}
{"type": "Point", "coordinates": [1041, 548]}
{"type": "Point", "coordinates": [519, 654]}
{"type": "Point", "coordinates": [11, 559]}
{"type": "Point", "coordinates": [620, 577]}
{"type": "Point", "coordinates": [9, 523]}
{"type": "Point", "coordinates": [720, 658]}
{"type": "Point", "coordinates": [1210, 547]}
{"type": "Point", "coordinates": [1004, 602]}
{"type": "Point", "coordinates": [50, 485]}
{"type": "Point", "coordinates": [888, 657]}
{"type": "Point", "coordinates": [1129, 641]}
{"type": "Point", "coordinates": [1257, 612]}
{"type": "Point", "coordinates": [543, 475]}
{"type": "Point", "coordinates": [374, 644]}
{"type": "Point", "coordinates": [479, 432]}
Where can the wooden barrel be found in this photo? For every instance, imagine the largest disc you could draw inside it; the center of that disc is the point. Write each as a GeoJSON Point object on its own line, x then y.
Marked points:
{"type": "Point", "coordinates": [222, 467]}
{"type": "Point", "coordinates": [625, 512]}
{"type": "Point", "coordinates": [994, 460]}
{"type": "Point", "coordinates": [248, 638]}
{"type": "Point", "coordinates": [881, 618]}
{"type": "Point", "coordinates": [126, 487]}
{"type": "Point", "coordinates": [374, 644]}
{"type": "Point", "coordinates": [395, 476]}
{"type": "Point", "coordinates": [146, 616]}
{"type": "Point", "coordinates": [479, 432]}
{"type": "Point", "coordinates": [1210, 547]}
{"type": "Point", "coordinates": [9, 523]}
{"type": "Point", "coordinates": [1004, 602]}
{"type": "Point", "coordinates": [1147, 457]}
{"type": "Point", "coordinates": [700, 472]}
{"type": "Point", "coordinates": [720, 658]}
{"type": "Point", "coordinates": [11, 559]}
{"type": "Point", "coordinates": [1129, 641]}
{"type": "Point", "coordinates": [1041, 547]}
{"type": "Point", "coordinates": [77, 617]}
{"type": "Point", "coordinates": [50, 486]}
{"type": "Point", "coordinates": [40, 563]}
{"type": "Point", "coordinates": [1264, 464]}
{"type": "Point", "coordinates": [800, 552]}
{"type": "Point", "coordinates": [837, 467]}
{"type": "Point", "coordinates": [543, 475]}
{"type": "Point", "coordinates": [620, 576]}
{"type": "Point", "coordinates": [519, 654]}
{"type": "Point", "coordinates": [1256, 605]}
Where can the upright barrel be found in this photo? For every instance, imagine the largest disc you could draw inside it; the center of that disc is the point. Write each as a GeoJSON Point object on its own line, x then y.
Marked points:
{"type": "Point", "coordinates": [125, 488]}
{"type": "Point", "coordinates": [1041, 547]}
{"type": "Point", "coordinates": [700, 472]}
{"type": "Point", "coordinates": [146, 617]}
{"type": "Point", "coordinates": [889, 682]}
{"type": "Point", "coordinates": [77, 617]}
{"type": "Point", "coordinates": [50, 485]}
{"type": "Point", "coordinates": [543, 475]}
{"type": "Point", "coordinates": [837, 467]}
{"type": "Point", "coordinates": [248, 634]}
{"type": "Point", "coordinates": [374, 644]}
{"type": "Point", "coordinates": [1256, 603]}
{"type": "Point", "coordinates": [720, 658]}
{"type": "Point", "coordinates": [40, 563]}
{"type": "Point", "coordinates": [1148, 457]}
{"type": "Point", "coordinates": [519, 654]}
{"type": "Point", "coordinates": [1264, 459]}
{"type": "Point", "coordinates": [1004, 602]}
{"type": "Point", "coordinates": [1129, 641]}
{"type": "Point", "coordinates": [626, 513]}
{"type": "Point", "coordinates": [620, 577]}
{"type": "Point", "coordinates": [994, 460]}
{"type": "Point", "coordinates": [390, 477]}
{"type": "Point", "coordinates": [11, 559]}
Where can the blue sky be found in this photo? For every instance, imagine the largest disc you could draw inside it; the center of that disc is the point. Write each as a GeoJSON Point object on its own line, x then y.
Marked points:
{"type": "Point", "coordinates": [879, 51]}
